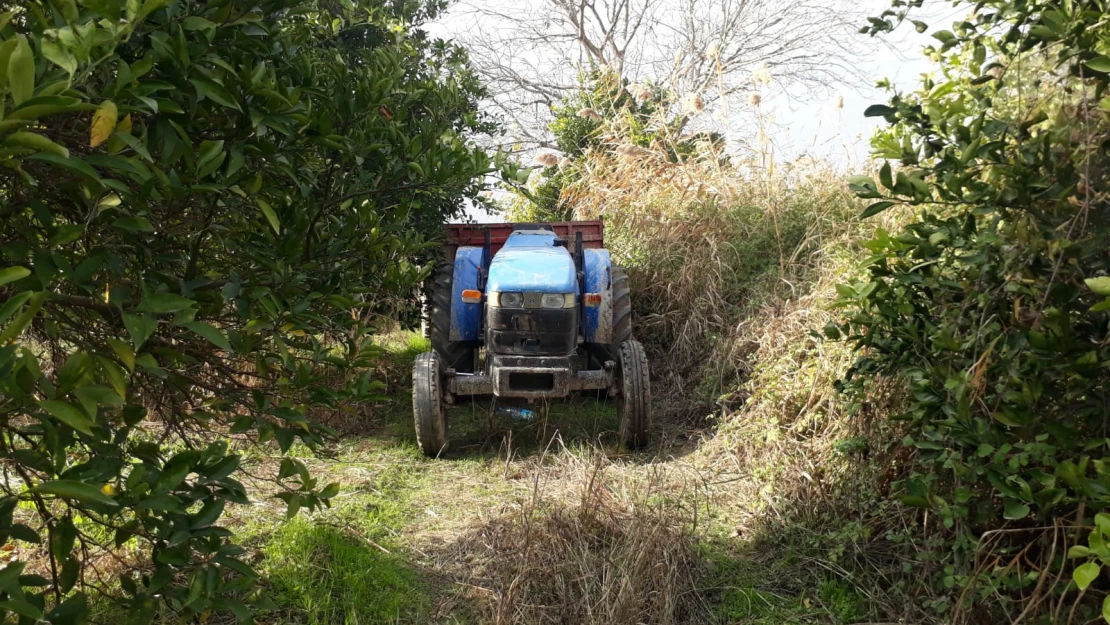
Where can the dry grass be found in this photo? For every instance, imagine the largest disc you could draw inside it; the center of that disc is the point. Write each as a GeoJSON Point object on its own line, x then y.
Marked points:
{"type": "Point", "coordinates": [592, 543]}
{"type": "Point", "coordinates": [714, 247]}
{"type": "Point", "coordinates": [733, 267]}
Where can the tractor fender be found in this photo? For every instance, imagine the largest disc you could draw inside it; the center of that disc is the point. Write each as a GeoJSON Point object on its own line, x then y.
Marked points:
{"type": "Point", "coordinates": [466, 319]}
{"type": "Point", "coordinates": [599, 320]}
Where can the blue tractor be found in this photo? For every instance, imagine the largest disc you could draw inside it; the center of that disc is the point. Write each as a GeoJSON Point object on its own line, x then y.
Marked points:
{"type": "Point", "coordinates": [531, 312]}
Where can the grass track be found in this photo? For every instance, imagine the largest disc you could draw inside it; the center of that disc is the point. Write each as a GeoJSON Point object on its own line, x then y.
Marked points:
{"type": "Point", "coordinates": [412, 540]}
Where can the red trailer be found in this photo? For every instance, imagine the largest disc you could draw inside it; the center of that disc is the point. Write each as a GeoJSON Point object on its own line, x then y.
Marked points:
{"type": "Point", "coordinates": [458, 235]}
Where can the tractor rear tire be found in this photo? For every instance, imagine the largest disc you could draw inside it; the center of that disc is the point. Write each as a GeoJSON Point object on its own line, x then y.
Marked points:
{"type": "Point", "coordinates": [634, 400]}
{"type": "Point", "coordinates": [622, 311]}
{"type": "Point", "coordinates": [457, 355]}
{"type": "Point", "coordinates": [428, 408]}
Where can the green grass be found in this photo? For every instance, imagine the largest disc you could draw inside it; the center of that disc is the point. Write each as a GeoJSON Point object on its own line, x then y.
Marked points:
{"type": "Point", "coordinates": [319, 575]}
{"type": "Point", "coordinates": [346, 566]}
{"type": "Point", "coordinates": [842, 600]}
{"type": "Point", "coordinates": [738, 590]}
{"type": "Point", "coordinates": [749, 587]}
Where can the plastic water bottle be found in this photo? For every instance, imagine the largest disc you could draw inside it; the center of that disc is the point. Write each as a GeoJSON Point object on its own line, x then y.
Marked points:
{"type": "Point", "coordinates": [516, 414]}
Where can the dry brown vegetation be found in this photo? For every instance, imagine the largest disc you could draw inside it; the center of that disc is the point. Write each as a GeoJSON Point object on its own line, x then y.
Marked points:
{"type": "Point", "coordinates": [585, 545]}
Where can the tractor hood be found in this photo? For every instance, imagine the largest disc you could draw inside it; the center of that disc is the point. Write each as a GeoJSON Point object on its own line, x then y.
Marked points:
{"type": "Point", "coordinates": [531, 262]}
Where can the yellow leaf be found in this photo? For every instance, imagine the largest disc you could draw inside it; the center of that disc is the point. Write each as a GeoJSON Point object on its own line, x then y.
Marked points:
{"type": "Point", "coordinates": [103, 123]}
{"type": "Point", "coordinates": [124, 124]}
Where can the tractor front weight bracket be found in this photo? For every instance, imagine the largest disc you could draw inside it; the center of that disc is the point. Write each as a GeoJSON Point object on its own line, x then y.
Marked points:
{"type": "Point", "coordinates": [530, 378]}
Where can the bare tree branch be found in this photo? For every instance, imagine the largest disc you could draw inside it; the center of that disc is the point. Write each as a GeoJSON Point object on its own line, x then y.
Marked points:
{"type": "Point", "coordinates": [534, 52]}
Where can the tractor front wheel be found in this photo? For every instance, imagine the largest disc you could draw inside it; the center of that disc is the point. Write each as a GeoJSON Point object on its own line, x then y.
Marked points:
{"type": "Point", "coordinates": [634, 399]}
{"type": "Point", "coordinates": [428, 408]}
{"type": "Point", "coordinates": [457, 355]}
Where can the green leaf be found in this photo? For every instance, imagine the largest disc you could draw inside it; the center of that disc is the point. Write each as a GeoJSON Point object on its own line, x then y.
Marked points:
{"type": "Point", "coordinates": [124, 351]}
{"type": "Point", "coordinates": [1015, 510]}
{"type": "Point", "coordinates": [6, 49]}
{"type": "Point", "coordinates": [1102, 523]}
{"type": "Point", "coordinates": [43, 106]}
{"type": "Point", "coordinates": [875, 209]}
{"type": "Point", "coordinates": [1084, 574]}
{"type": "Point", "coordinates": [175, 471]}
{"type": "Point", "coordinates": [73, 164]}
{"type": "Point", "coordinates": [72, 489]}
{"type": "Point", "coordinates": [1106, 609]}
{"type": "Point", "coordinates": [213, 91]}
{"type": "Point", "coordinates": [293, 506]}
{"type": "Point", "coordinates": [1079, 551]}
{"type": "Point", "coordinates": [165, 303]}
{"type": "Point", "coordinates": [21, 71]}
{"type": "Point", "coordinates": [72, 611]}
{"type": "Point", "coordinates": [20, 531]}
{"type": "Point", "coordinates": [271, 216]}
{"type": "Point", "coordinates": [885, 176]}
{"type": "Point", "coordinates": [11, 274]}
{"type": "Point", "coordinates": [879, 110]}
{"type": "Point", "coordinates": [211, 333]}
{"type": "Point", "coordinates": [237, 565]}
{"type": "Point", "coordinates": [68, 577]}
{"type": "Point", "coordinates": [58, 54]}
{"type": "Point", "coordinates": [68, 414]}
{"type": "Point", "coordinates": [35, 141]}
{"type": "Point", "coordinates": [140, 327]}
{"type": "Point", "coordinates": [195, 22]}
{"type": "Point", "coordinates": [915, 501]}
{"type": "Point", "coordinates": [9, 576]}
{"type": "Point", "coordinates": [98, 395]}
{"type": "Point", "coordinates": [133, 224]}
{"type": "Point", "coordinates": [1099, 64]}
{"type": "Point", "coordinates": [209, 151]}
{"type": "Point", "coordinates": [1100, 285]}
{"type": "Point", "coordinates": [23, 320]}
{"type": "Point", "coordinates": [13, 304]}
{"type": "Point", "coordinates": [21, 608]}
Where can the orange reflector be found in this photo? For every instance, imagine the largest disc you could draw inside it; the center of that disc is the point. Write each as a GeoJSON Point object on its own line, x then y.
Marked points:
{"type": "Point", "coordinates": [471, 296]}
{"type": "Point", "coordinates": [592, 300]}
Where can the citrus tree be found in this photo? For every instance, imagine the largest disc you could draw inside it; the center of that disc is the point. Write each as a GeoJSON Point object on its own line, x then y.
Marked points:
{"type": "Point", "coordinates": [991, 306]}
{"type": "Point", "coordinates": [198, 202]}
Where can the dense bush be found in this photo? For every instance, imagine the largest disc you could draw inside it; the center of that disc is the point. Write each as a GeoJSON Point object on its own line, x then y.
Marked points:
{"type": "Point", "coordinates": [991, 307]}
{"type": "Point", "coordinates": [198, 203]}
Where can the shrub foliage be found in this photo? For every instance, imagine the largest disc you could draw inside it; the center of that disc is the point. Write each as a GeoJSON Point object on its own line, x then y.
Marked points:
{"type": "Point", "coordinates": [992, 306]}
{"type": "Point", "coordinates": [198, 201]}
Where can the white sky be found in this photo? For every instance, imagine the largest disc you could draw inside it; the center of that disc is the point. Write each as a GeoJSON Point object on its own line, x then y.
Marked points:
{"type": "Point", "coordinates": [815, 126]}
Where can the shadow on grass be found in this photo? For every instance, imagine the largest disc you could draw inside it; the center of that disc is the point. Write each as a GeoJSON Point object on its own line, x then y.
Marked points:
{"type": "Point", "coordinates": [477, 430]}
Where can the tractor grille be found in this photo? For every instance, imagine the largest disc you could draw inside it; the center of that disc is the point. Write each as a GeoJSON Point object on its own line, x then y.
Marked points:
{"type": "Point", "coordinates": [533, 332]}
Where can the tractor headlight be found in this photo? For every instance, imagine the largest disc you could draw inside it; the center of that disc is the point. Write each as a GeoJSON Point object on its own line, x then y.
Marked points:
{"type": "Point", "coordinates": [510, 300]}
{"type": "Point", "coordinates": [557, 300]}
